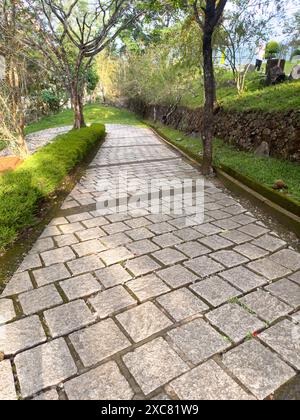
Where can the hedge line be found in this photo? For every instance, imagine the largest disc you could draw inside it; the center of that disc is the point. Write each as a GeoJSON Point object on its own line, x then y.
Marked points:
{"type": "Point", "coordinates": [39, 176]}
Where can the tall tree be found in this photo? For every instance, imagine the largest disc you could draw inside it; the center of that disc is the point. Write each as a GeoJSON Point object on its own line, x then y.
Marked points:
{"type": "Point", "coordinates": [12, 118]}
{"type": "Point", "coordinates": [208, 14]}
{"type": "Point", "coordinates": [88, 27]}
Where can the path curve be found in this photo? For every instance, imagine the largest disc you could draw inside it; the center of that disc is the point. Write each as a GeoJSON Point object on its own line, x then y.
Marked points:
{"type": "Point", "coordinates": [151, 306]}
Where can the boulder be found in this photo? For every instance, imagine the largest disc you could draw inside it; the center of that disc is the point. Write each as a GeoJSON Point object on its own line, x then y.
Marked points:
{"type": "Point", "coordinates": [263, 150]}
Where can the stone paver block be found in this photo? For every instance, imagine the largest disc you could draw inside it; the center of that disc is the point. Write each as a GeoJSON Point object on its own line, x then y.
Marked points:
{"type": "Point", "coordinates": [138, 223]}
{"type": "Point", "coordinates": [198, 341]}
{"type": "Point", "coordinates": [182, 304]}
{"type": "Point", "coordinates": [117, 255]}
{"type": "Point", "coordinates": [284, 338]}
{"type": "Point", "coordinates": [7, 311]}
{"type": "Point", "coordinates": [142, 247]}
{"type": "Point", "coordinates": [177, 276]}
{"type": "Point", "coordinates": [254, 230]}
{"type": "Point", "coordinates": [215, 290]}
{"type": "Point", "coordinates": [43, 245]}
{"type": "Point", "coordinates": [19, 283]}
{"type": "Point", "coordinates": [50, 231]}
{"type": "Point", "coordinates": [113, 276]}
{"type": "Point", "coordinates": [295, 277]}
{"type": "Point", "coordinates": [204, 266]}
{"type": "Point", "coordinates": [286, 290]}
{"type": "Point", "coordinates": [208, 382]}
{"type": "Point", "coordinates": [139, 234]}
{"type": "Point", "coordinates": [259, 369]}
{"type": "Point", "coordinates": [229, 258]}
{"type": "Point", "coordinates": [208, 229]}
{"type": "Point", "coordinates": [243, 279]}
{"type": "Point", "coordinates": [147, 287]}
{"type": "Point", "coordinates": [51, 274]}
{"type": "Point", "coordinates": [114, 241]}
{"type": "Point", "coordinates": [58, 221]}
{"type": "Point", "coordinates": [113, 228]}
{"type": "Point", "coordinates": [66, 240]}
{"type": "Point", "coordinates": [81, 286]}
{"type": "Point", "coordinates": [95, 222]}
{"type": "Point", "coordinates": [89, 234]}
{"type": "Point", "coordinates": [216, 242]}
{"type": "Point", "coordinates": [160, 228]}
{"type": "Point", "coordinates": [251, 251]}
{"type": "Point", "coordinates": [21, 335]}
{"type": "Point", "coordinates": [169, 256]}
{"type": "Point", "coordinates": [111, 301]}
{"type": "Point", "coordinates": [39, 299]}
{"type": "Point", "coordinates": [7, 385]}
{"type": "Point", "coordinates": [105, 383]}
{"type": "Point", "coordinates": [188, 234]}
{"type": "Point", "coordinates": [270, 243]}
{"type": "Point", "coordinates": [235, 321]}
{"type": "Point", "coordinates": [51, 395]}
{"type": "Point", "coordinates": [96, 343]}
{"type": "Point", "coordinates": [154, 364]}
{"type": "Point", "coordinates": [44, 366]}
{"type": "Point", "coordinates": [142, 265]}
{"type": "Point", "coordinates": [57, 256]}
{"type": "Point", "coordinates": [236, 236]}
{"type": "Point", "coordinates": [88, 248]}
{"type": "Point", "coordinates": [80, 217]}
{"type": "Point", "coordinates": [227, 224]}
{"type": "Point", "coordinates": [30, 262]}
{"type": "Point", "coordinates": [167, 240]}
{"type": "Point", "coordinates": [71, 228]}
{"type": "Point", "coordinates": [143, 321]}
{"type": "Point", "coordinates": [68, 318]}
{"type": "Point", "coordinates": [266, 306]}
{"type": "Point", "coordinates": [85, 265]}
{"type": "Point", "coordinates": [193, 249]}
{"type": "Point", "coordinates": [288, 258]}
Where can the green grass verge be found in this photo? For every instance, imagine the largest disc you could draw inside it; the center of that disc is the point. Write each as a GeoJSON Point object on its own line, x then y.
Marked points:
{"type": "Point", "coordinates": [40, 175]}
{"type": "Point", "coordinates": [93, 114]}
{"type": "Point", "coordinates": [257, 97]}
{"type": "Point", "coordinates": [265, 171]}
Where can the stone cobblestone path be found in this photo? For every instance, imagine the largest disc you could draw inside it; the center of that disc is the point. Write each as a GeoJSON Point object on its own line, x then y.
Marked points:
{"type": "Point", "coordinates": [136, 305]}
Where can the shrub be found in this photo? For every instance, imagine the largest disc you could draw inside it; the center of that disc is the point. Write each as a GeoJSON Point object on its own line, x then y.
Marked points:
{"type": "Point", "coordinates": [295, 53]}
{"type": "Point", "coordinates": [272, 49]}
{"type": "Point", "coordinates": [40, 175]}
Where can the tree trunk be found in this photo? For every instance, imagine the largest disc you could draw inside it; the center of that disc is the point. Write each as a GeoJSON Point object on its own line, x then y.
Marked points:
{"type": "Point", "coordinates": [210, 95]}
{"type": "Point", "coordinates": [77, 105]}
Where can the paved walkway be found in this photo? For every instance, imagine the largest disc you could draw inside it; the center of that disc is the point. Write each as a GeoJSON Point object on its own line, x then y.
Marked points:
{"type": "Point", "coordinates": [151, 306]}
{"type": "Point", "coordinates": [39, 139]}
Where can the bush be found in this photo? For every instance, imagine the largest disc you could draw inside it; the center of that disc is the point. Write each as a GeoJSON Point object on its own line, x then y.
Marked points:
{"type": "Point", "coordinates": [295, 53]}
{"type": "Point", "coordinates": [40, 175]}
{"type": "Point", "coordinates": [272, 49]}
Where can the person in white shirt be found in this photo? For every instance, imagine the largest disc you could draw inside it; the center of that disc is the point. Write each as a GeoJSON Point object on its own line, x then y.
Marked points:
{"type": "Point", "coordinates": [260, 56]}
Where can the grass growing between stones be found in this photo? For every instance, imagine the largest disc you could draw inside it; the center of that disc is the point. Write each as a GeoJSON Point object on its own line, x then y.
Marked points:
{"type": "Point", "coordinates": [265, 171]}
{"type": "Point", "coordinates": [22, 190]}
{"type": "Point", "coordinates": [94, 113]}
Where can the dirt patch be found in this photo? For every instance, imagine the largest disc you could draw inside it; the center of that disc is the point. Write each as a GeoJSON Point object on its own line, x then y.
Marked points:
{"type": "Point", "coordinates": [9, 163]}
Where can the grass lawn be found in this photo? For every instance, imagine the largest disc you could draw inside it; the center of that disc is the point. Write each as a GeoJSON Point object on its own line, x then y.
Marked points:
{"type": "Point", "coordinates": [283, 97]}
{"type": "Point", "coordinates": [265, 171]}
{"type": "Point", "coordinates": [93, 114]}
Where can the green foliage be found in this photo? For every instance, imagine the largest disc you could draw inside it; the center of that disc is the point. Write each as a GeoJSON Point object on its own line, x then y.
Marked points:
{"type": "Point", "coordinates": [40, 175]}
{"type": "Point", "coordinates": [295, 53]}
{"type": "Point", "coordinates": [51, 100]}
{"type": "Point", "coordinates": [272, 49]}
{"type": "Point", "coordinates": [262, 170]}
